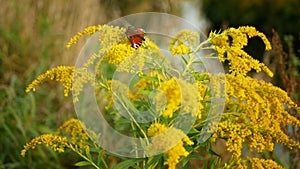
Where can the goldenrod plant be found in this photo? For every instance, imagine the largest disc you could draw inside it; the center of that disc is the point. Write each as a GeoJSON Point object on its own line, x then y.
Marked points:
{"type": "Point", "coordinates": [254, 114]}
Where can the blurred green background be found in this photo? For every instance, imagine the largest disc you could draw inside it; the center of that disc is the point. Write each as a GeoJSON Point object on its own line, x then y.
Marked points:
{"type": "Point", "coordinates": [32, 39]}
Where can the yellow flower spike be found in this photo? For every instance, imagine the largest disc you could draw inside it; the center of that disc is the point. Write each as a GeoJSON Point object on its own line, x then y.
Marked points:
{"type": "Point", "coordinates": [118, 53]}
{"type": "Point", "coordinates": [87, 31]}
{"type": "Point", "coordinates": [81, 76]}
{"type": "Point", "coordinates": [145, 84]}
{"type": "Point", "coordinates": [259, 118]}
{"type": "Point", "coordinates": [169, 98]}
{"type": "Point", "coordinates": [134, 62]}
{"type": "Point", "coordinates": [267, 70]}
{"type": "Point", "coordinates": [76, 133]}
{"type": "Point", "coordinates": [239, 40]}
{"type": "Point", "coordinates": [156, 129]}
{"type": "Point", "coordinates": [253, 162]}
{"type": "Point", "coordinates": [219, 40]}
{"type": "Point", "coordinates": [252, 32]}
{"type": "Point", "coordinates": [109, 36]}
{"type": "Point", "coordinates": [180, 49]}
{"type": "Point", "coordinates": [262, 163]}
{"type": "Point", "coordinates": [57, 143]}
{"type": "Point", "coordinates": [240, 63]}
{"type": "Point", "coordinates": [190, 37]}
{"type": "Point", "coordinates": [63, 74]}
{"type": "Point", "coordinates": [167, 139]}
{"type": "Point", "coordinates": [174, 155]}
{"type": "Point", "coordinates": [188, 141]}
{"type": "Point", "coordinates": [190, 102]}
{"type": "Point", "coordinates": [170, 94]}
{"type": "Point", "coordinates": [72, 134]}
{"type": "Point", "coordinates": [129, 59]}
{"type": "Point", "coordinates": [183, 42]}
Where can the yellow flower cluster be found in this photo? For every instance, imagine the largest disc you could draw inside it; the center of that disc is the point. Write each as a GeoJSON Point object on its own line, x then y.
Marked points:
{"type": "Point", "coordinates": [255, 163]}
{"type": "Point", "coordinates": [255, 110]}
{"type": "Point", "coordinates": [156, 129]}
{"type": "Point", "coordinates": [240, 62]}
{"type": "Point", "coordinates": [234, 134]}
{"type": "Point", "coordinates": [258, 117]}
{"type": "Point", "coordinates": [108, 96]}
{"type": "Point", "coordinates": [262, 163]}
{"type": "Point", "coordinates": [135, 62]}
{"type": "Point", "coordinates": [128, 58]}
{"type": "Point", "coordinates": [63, 74]}
{"type": "Point", "coordinates": [82, 76]}
{"type": "Point", "coordinates": [119, 52]}
{"type": "Point", "coordinates": [87, 31]}
{"type": "Point", "coordinates": [190, 97]}
{"type": "Point", "coordinates": [202, 90]}
{"type": "Point", "coordinates": [76, 130]}
{"type": "Point", "coordinates": [109, 36]}
{"type": "Point", "coordinates": [149, 83]}
{"type": "Point", "coordinates": [57, 143]}
{"type": "Point", "coordinates": [70, 135]}
{"type": "Point", "coordinates": [170, 96]}
{"type": "Point", "coordinates": [170, 139]}
{"type": "Point", "coordinates": [180, 49]}
{"type": "Point", "coordinates": [116, 49]}
{"type": "Point", "coordinates": [218, 84]}
{"type": "Point", "coordinates": [183, 42]}
{"type": "Point", "coordinates": [174, 155]}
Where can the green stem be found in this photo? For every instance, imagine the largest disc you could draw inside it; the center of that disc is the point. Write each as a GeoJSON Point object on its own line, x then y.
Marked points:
{"type": "Point", "coordinates": [192, 55]}
{"type": "Point", "coordinates": [135, 122]}
{"type": "Point", "coordinates": [83, 156]}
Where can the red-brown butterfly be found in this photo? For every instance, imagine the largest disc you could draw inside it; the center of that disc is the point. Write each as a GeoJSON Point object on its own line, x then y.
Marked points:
{"type": "Point", "coordinates": [136, 36]}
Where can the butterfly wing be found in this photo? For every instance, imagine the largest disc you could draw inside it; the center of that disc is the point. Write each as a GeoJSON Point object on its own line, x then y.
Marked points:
{"type": "Point", "coordinates": [136, 41]}
{"type": "Point", "coordinates": [136, 36]}
{"type": "Point", "coordinates": [130, 32]}
{"type": "Point", "coordinates": [140, 32]}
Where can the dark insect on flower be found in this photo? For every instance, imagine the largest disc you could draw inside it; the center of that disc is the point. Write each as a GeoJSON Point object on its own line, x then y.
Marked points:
{"type": "Point", "coordinates": [135, 35]}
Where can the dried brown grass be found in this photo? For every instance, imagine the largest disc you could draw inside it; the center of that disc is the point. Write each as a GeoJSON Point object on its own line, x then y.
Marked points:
{"type": "Point", "coordinates": [35, 30]}
{"type": "Point", "coordinates": [290, 81]}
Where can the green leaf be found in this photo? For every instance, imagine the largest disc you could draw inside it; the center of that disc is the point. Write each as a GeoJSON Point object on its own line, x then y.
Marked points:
{"type": "Point", "coordinates": [197, 157]}
{"type": "Point", "coordinates": [82, 163]}
{"type": "Point", "coordinates": [194, 131]}
{"type": "Point", "coordinates": [127, 163]}
{"type": "Point", "coordinates": [154, 79]}
{"type": "Point", "coordinates": [144, 92]}
{"type": "Point", "coordinates": [185, 61]}
{"type": "Point", "coordinates": [153, 161]}
{"type": "Point", "coordinates": [213, 153]}
{"type": "Point", "coordinates": [214, 163]}
{"type": "Point", "coordinates": [191, 156]}
{"type": "Point", "coordinates": [87, 152]}
{"type": "Point", "coordinates": [198, 62]}
{"type": "Point", "coordinates": [205, 165]}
